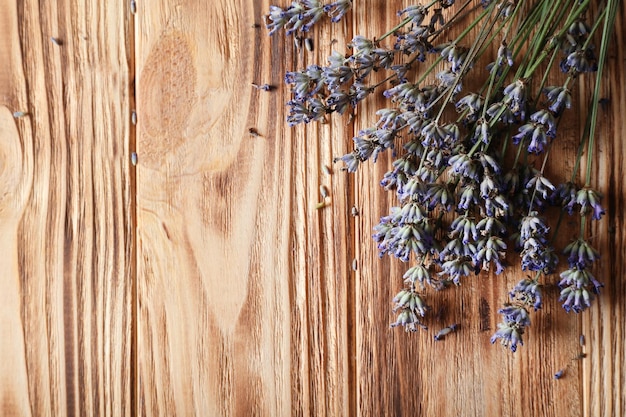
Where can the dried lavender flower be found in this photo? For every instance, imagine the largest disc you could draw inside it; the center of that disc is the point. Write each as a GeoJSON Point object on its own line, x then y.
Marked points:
{"type": "Point", "coordinates": [463, 193]}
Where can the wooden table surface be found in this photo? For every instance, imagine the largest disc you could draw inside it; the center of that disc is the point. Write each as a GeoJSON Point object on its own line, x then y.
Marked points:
{"type": "Point", "coordinates": [203, 281]}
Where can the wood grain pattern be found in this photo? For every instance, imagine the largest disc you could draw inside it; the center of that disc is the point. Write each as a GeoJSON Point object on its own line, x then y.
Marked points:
{"type": "Point", "coordinates": [341, 357]}
{"type": "Point", "coordinates": [65, 212]}
{"type": "Point", "coordinates": [204, 281]}
{"type": "Point", "coordinates": [603, 375]}
{"type": "Point", "coordinates": [399, 374]}
{"type": "Point", "coordinates": [243, 286]}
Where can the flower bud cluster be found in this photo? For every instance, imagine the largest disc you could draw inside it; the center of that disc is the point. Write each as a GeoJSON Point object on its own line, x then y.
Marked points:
{"type": "Point", "coordinates": [301, 15]}
{"type": "Point", "coordinates": [470, 184]}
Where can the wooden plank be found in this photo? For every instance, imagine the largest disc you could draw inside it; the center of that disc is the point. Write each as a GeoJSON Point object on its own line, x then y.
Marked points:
{"type": "Point", "coordinates": [400, 374]}
{"type": "Point", "coordinates": [603, 374]}
{"type": "Point", "coordinates": [66, 262]}
{"type": "Point", "coordinates": [269, 340]}
{"type": "Point", "coordinates": [244, 287]}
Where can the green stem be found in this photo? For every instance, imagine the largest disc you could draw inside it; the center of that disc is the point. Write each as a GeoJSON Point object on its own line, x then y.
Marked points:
{"type": "Point", "coordinates": [543, 167]}
{"type": "Point", "coordinates": [545, 74]}
{"type": "Point", "coordinates": [583, 223]}
{"type": "Point", "coordinates": [471, 55]}
{"type": "Point", "coordinates": [405, 22]}
{"type": "Point", "coordinates": [607, 31]}
{"type": "Point", "coordinates": [539, 59]}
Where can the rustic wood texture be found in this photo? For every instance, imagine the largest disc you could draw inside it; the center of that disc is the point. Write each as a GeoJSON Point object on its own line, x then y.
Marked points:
{"type": "Point", "coordinates": [235, 315]}
{"type": "Point", "coordinates": [227, 228]}
{"type": "Point", "coordinates": [65, 212]}
{"type": "Point", "coordinates": [204, 281]}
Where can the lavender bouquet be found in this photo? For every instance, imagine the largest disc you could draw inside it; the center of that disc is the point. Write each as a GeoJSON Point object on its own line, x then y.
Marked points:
{"type": "Point", "coordinates": [469, 168]}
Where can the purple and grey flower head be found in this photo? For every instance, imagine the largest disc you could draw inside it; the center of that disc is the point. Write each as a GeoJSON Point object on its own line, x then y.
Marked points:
{"type": "Point", "coordinates": [409, 320]}
{"type": "Point", "coordinates": [505, 55]}
{"type": "Point", "coordinates": [403, 169]}
{"type": "Point", "coordinates": [589, 201]}
{"type": "Point", "coordinates": [565, 196]}
{"type": "Point", "coordinates": [468, 198]}
{"type": "Point", "coordinates": [579, 61]}
{"type": "Point", "coordinates": [419, 274]}
{"type": "Point", "coordinates": [575, 298]}
{"type": "Point", "coordinates": [528, 292]}
{"type": "Point", "coordinates": [491, 226]}
{"type": "Point", "coordinates": [456, 268]}
{"type": "Point", "coordinates": [337, 9]}
{"type": "Point", "coordinates": [516, 96]}
{"type": "Point", "coordinates": [490, 250]}
{"type": "Point", "coordinates": [455, 54]}
{"type": "Point", "coordinates": [510, 335]}
{"type": "Point", "coordinates": [537, 254]}
{"type": "Point", "coordinates": [313, 11]}
{"type": "Point", "coordinates": [416, 13]}
{"type": "Point", "coordinates": [464, 165]}
{"type": "Point", "coordinates": [352, 161]}
{"type": "Point", "coordinates": [501, 112]}
{"type": "Point", "coordinates": [515, 319]}
{"type": "Point", "coordinates": [408, 299]}
{"type": "Point", "coordinates": [580, 254]}
{"type": "Point", "coordinates": [306, 111]}
{"type": "Point", "coordinates": [288, 18]}
{"type": "Point", "coordinates": [541, 184]}
{"type": "Point", "coordinates": [471, 105]}
{"type": "Point", "coordinates": [465, 228]}
{"type": "Point", "coordinates": [560, 98]}
{"type": "Point", "coordinates": [415, 41]}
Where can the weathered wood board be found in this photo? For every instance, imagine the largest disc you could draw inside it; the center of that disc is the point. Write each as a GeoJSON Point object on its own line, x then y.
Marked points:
{"type": "Point", "coordinates": [67, 259]}
{"type": "Point", "coordinates": [204, 281]}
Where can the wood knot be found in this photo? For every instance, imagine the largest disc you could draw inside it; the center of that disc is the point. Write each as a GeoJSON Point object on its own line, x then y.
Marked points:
{"type": "Point", "coordinates": [168, 86]}
{"type": "Point", "coordinates": [11, 165]}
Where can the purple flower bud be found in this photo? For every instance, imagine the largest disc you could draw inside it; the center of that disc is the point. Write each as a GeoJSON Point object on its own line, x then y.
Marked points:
{"type": "Point", "coordinates": [505, 55]}
{"type": "Point", "coordinates": [352, 161]}
{"type": "Point", "coordinates": [501, 112]}
{"type": "Point", "coordinates": [445, 331]}
{"type": "Point", "coordinates": [514, 314]}
{"type": "Point", "coordinates": [361, 45]}
{"type": "Point", "coordinates": [439, 194]}
{"type": "Point", "coordinates": [575, 299]}
{"type": "Point", "coordinates": [565, 195]}
{"type": "Point", "coordinates": [418, 274]}
{"type": "Point", "coordinates": [472, 104]}
{"type": "Point", "coordinates": [462, 164]}
{"type": "Point", "coordinates": [465, 228]}
{"type": "Point", "coordinates": [415, 12]}
{"type": "Point", "coordinates": [515, 96]}
{"type": "Point", "coordinates": [490, 226]}
{"type": "Point", "coordinates": [560, 98]}
{"type": "Point", "coordinates": [510, 335]}
{"type": "Point", "coordinates": [390, 119]}
{"type": "Point", "coordinates": [541, 184]}
{"type": "Point", "coordinates": [546, 119]}
{"type": "Point", "coordinates": [409, 320]}
{"type": "Point", "coordinates": [491, 249]}
{"type": "Point", "coordinates": [337, 9]}
{"type": "Point", "coordinates": [588, 200]}
{"type": "Point", "coordinates": [489, 163]}
{"type": "Point", "coordinates": [580, 254]}
{"type": "Point", "coordinates": [457, 268]}
{"type": "Point", "coordinates": [528, 292]}
{"type": "Point", "coordinates": [468, 198]}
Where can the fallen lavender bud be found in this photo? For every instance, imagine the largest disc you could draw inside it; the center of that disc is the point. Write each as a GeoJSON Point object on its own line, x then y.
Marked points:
{"type": "Point", "coordinates": [445, 331]}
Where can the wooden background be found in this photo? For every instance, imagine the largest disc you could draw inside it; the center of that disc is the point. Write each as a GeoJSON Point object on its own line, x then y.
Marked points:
{"type": "Point", "coordinates": [203, 281]}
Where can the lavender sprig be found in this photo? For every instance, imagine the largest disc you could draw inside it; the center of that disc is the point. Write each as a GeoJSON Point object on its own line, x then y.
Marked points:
{"type": "Point", "coordinates": [302, 15]}
{"type": "Point", "coordinates": [468, 185]}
